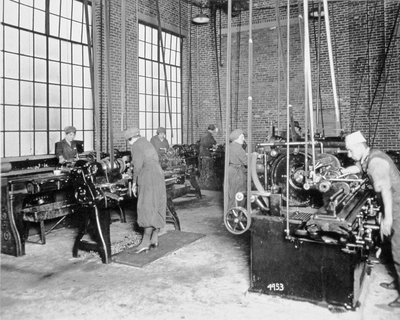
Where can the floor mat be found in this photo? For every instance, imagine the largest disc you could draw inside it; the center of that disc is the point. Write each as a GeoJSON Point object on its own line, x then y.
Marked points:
{"type": "Point", "coordinates": [169, 242]}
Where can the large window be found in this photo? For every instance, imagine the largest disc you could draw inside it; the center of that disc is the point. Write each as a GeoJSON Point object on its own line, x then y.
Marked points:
{"type": "Point", "coordinates": [45, 79]}
{"type": "Point", "coordinates": [154, 109]}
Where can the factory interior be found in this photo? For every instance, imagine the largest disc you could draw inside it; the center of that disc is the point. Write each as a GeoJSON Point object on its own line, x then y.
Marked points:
{"type": "Point", "coordinates": [200, 159]}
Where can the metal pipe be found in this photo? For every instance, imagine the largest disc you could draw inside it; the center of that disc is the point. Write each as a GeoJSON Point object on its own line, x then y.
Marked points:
{"type": "Point", "coordinates": [108, 72]}
{"type": "Point", "coordinates": [288, 116]}
{"type": "Point", "coordinates": [332, 67]}
{"type": "Point", "coordinates": [123, 62]}
{"type": "Point", "coordinates": [228, 103]}
{"type": "Point", "coordinates": [307, 68]}
{"type": "Point", "coordinates": [249, 106]}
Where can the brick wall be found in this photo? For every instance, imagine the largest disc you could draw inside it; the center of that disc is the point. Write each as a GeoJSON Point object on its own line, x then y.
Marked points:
{"type": "Point", "coordinates": [360, 33]}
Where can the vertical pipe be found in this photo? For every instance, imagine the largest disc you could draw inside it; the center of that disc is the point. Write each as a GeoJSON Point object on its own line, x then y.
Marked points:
{"type": "Point", "coordinates": [108, 72]}
{"type": "Point", "coordinates": [288, 115]}
{"type": "Point", "coordinates": [249, 107]}
{"type": "Point", "coordinates": [95, 88]}
{"type": "Point", "coordinates": [123, 62]}
{"type": "Point", "coordinates": [328, 39]}
{"type": "Point", "coordinates": [307, 71]}
{"type": "Point", "coordinates": [228, 102]}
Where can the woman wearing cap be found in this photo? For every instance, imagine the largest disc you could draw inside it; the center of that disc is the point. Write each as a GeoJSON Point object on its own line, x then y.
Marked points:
{"type": "Point", "coordinates": [237, 166]}
{"type": "Point", "coordinates": [149, 187]}
{"type": "Point", "coordinates": [160, 142]}
{"type": "Point", "coordinates": [66, 149]}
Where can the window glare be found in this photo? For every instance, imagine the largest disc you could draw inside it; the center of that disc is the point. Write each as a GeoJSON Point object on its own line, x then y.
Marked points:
{"type": "Point", "coordinates": [45, 78]}
{"type": "Point", "coordinates": [154, 109]}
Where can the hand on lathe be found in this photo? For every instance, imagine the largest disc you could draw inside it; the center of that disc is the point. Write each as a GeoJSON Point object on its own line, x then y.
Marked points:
{"type": "Point", "coordinates": [134, 190]}
{"type": "Point", "coordinates": [386, 227]}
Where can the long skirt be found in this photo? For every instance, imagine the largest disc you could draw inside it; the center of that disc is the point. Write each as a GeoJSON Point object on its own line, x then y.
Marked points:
{"type": "Point", "coordinates": [152, 197]}
{"type": "Point", "coordinates": [237, 181]}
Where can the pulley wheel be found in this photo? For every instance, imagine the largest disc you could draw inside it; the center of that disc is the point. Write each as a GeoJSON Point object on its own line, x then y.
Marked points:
{"type": "Point", "coordinates": [327, 159]}
{"type": "Point", "coordinates": [237, 220]}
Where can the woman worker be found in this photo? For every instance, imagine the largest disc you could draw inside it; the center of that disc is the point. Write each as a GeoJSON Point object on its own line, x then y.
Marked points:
{"type": "Point", "coordinates": [149, 187]}
{"type": "Point", "coordinates": [237, 178]}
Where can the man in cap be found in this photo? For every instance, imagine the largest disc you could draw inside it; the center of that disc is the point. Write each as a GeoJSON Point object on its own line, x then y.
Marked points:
{"type": "Point", "coordinates": [385, 178]}
{"type": "Point", "coordinates": [66, 149]}
{"type": "Point", "coordinates": [237, 178]}
{"type": "Point", "coordinates": [148, 184]}
{"type": "Point", "coordinates": [160, 142]}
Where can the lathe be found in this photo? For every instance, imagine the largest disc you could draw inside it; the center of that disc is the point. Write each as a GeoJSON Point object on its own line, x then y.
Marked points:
{"type": "Point", "coordinates": [313, 230]}
{"type": "Point", "coordinates": [35, 190]}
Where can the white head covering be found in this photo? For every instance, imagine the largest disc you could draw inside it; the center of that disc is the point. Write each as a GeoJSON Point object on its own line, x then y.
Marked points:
{"type": "Point", "coordinates": [354, 138]}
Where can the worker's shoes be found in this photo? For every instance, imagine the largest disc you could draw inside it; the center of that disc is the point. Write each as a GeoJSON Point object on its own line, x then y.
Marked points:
{"type": "Point", "coordinates": [395, 303]}
{"type": "Point", "coordinates": [388, 285]}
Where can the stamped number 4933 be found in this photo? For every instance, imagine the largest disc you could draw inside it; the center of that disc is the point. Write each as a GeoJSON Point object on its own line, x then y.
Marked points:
{"type": "Point", "coordinates": [276, 286]}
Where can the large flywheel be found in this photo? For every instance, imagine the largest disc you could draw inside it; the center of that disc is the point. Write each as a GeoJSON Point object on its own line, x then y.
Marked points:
{"type": "Point", "coordinates": [237, 220]}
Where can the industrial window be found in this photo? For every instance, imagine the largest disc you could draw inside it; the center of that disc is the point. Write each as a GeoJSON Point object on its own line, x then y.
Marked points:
{"type": "Point", "coordinates": [45, 80]}
{"type": "Point", "coordinates": [154, 109]}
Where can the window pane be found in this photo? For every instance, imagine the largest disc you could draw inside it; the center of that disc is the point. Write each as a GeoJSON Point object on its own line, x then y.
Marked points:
{"type": "Point", "coordinates": [54, 136]}
{"type": "Point", "coordinates": [66, 8]}
{"type": "Point", "coordinates": [142, 70]}
{"type": "Point", "coordinates": [40, 119]}
{"type": "Point", "coordinates": [55, 6]}
{"type": "Point", "coordinates": [77, 97]}
{"type": "Point", "coordinates": [66, 117]}
{"type": "Point", "coordinates": [88, 116]}
{"type": "Point", "coordinates": [11, 144]}
{"type": "Point", "coordinates": [54, 49]}
{"type": "Point", "coordinates": [77, 76]}
{"type": "Point", "coordinates": [41, 4]}
{"type": "Point", "coordinates": [40, 46]}
{"type": "Point", "coordinates": [66, 96]}
{"type": "Point", "coordinates": [54, 72]}
{"type": "Point", "coordinates": [141, 32]}
{"type": "Point", "coordinates": [88, 99]}
{"type": "Point", "coordinates": [54, 119]}
{"type": "Point", "coordinates": [26, 143]}
{"type": "Point", "coordinates": [54, 95]}
{"type": "Point", "coordinates": [76, 31]}
{"type": "Point", "coordinates": [11, 94]}
{"type": "Point", "coordinates": [11, 12]}
{"type": "Point", "coordinates": [27, 118]}
{"type": "Point", "coordinates": [40, 20]}
{"type": "Point", "coordinates": [11, 117]}
{"type": "Point", "coordinates": [11, 66]}
{"type": "Point", "coordinates": [65, 51]}
{"type": "Point", "coordinates": [26, 17]}
{"type": "Point", "coordinates": [11, 39]}
{"type": "Point", "coordinates": [66, 75]}
{"type": "Point", "coordinates": [87, 82]}
{"type": "Point", "coordinates": [65, 29]}
{"type": "Point", "coordinates": [40, 94]}
{"type": "Point", "coordinates": [40, 70]}
{"type": "Point", "coordinates": [77, 11]}
{"type": "Point", "coordinates": [77, 119]}
{"type": "Point", "coordinates": [88, 140]}
{"type": "Point", "coordinates": [27, 93]}
{"type": "Point", "coordinates": [54, 25]}
{"type": "Point", "coordinates": [77, 54]}
{"type": "Point", "coordinates": [142, 102]}
{"type": "Point", "coordinates": [40, 143]}
{"type": "Point", "coordinates": [26, 43]}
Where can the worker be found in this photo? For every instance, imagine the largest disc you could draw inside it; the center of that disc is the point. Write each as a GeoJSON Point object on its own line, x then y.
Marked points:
{"type": "Point", "coordinates": [148, 184]}
{"type": "Point", "coordinates": [66, 149]}
{"type": "Point", "coordinates": [237, 179]}
{"type": "Point", "coordinates": [160, 142]}
{"type": "Point", "coordinates": [385, 178]}
{"type": "Point", "coordinates": [208, 177]}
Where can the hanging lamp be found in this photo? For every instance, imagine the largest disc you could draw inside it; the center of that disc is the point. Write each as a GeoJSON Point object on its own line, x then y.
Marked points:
{"type": "Point", "coordinates": [201, 18]}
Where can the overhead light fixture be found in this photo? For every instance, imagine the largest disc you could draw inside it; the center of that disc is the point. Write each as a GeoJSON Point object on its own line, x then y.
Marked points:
{"type": "Point", "coordinates": [201, 18]}
{"type": "Point", "coordinates": [315, 13]}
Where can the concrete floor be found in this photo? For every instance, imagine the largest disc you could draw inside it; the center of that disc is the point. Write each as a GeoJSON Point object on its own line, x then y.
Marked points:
{"type": "Point", "coordinates": [207, 279]}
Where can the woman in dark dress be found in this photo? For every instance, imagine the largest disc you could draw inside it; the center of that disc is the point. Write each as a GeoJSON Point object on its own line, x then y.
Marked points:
{"type": "Point", "coordinates": [149, 186]}
{"type": "Point", "coordinates": [237, 176]}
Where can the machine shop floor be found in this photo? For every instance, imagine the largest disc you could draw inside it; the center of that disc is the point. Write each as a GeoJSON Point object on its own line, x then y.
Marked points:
{"type": "Point", "coordinates": [207, 279]}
